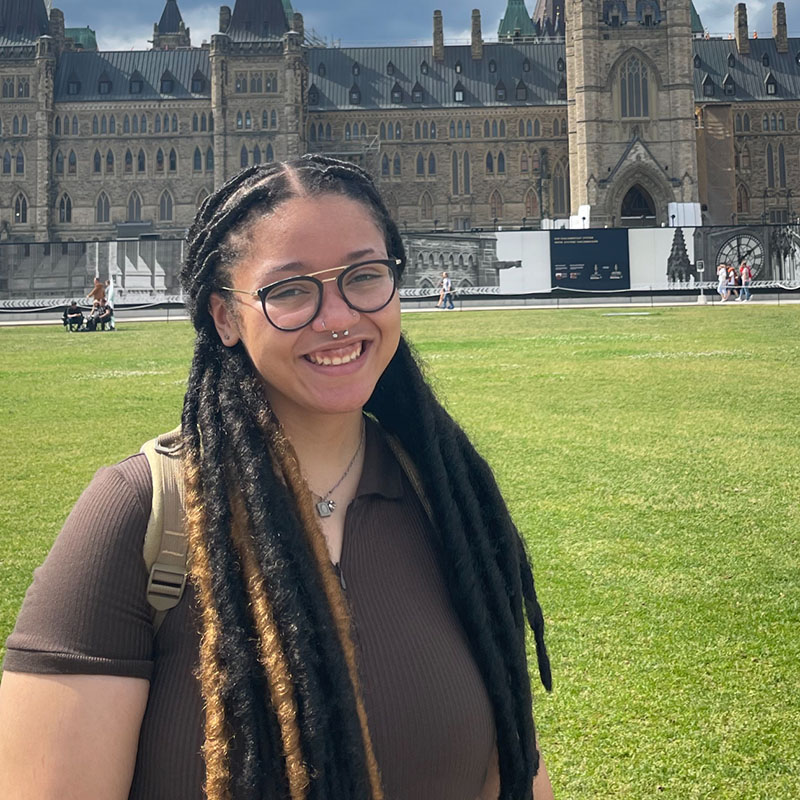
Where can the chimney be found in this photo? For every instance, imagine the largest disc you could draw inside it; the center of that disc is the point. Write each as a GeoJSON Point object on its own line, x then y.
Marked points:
{"type": "Point", "coordinates": [779, 28]}
{"type": "Point", "coordinates": [477, 39]}
{"type": "Point", "coordinates": [224, 18]}
{"type": "Point", "coordinates": [56, 28]}
{"type": "Point", "coordinates": [438, 36]}
{"type": "Point", "coordinates": [298, 26]}
{"type": "Point", "coordinates": [740, 29]}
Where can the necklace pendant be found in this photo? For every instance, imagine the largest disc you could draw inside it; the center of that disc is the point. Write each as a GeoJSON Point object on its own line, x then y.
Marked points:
{"type": "Point", "coordinates": [325, 508]}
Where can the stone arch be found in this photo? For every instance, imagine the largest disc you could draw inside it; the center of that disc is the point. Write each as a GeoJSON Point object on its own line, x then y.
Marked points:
{"type": "Point", "coordinates": [613, 71]}
{"type": "Point", "coordinates": [647, 179]}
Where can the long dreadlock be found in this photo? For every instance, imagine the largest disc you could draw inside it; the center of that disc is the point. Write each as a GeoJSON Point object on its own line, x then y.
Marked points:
{"type": "Point", "coordinates": [284, 712]}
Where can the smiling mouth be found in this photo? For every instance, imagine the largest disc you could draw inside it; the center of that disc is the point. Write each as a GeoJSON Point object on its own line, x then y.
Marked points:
{"type": "Point", "coordinates": [334, 358]}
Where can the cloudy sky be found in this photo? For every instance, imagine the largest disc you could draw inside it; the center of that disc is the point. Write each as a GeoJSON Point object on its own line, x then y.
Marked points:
{"type": "Point", "coordinates": [123, 25]}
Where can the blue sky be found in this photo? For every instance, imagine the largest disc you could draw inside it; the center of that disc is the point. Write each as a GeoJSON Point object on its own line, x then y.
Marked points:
{"type": "Point", "coordinates": [121, 26]}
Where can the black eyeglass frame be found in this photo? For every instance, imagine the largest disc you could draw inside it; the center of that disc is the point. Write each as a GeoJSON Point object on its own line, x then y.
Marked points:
{"type": "Point", "coordinates": [393, 264]}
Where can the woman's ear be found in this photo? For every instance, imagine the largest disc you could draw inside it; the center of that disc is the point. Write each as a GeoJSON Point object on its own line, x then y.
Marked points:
{"type": "Point", "coordinates": [224, 320]}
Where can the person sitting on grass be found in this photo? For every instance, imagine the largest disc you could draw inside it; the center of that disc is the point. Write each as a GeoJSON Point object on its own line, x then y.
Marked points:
{"type": "Point", "coordinates": [106, 316]}
{"type": "Point", "coordinates": [73, 317]}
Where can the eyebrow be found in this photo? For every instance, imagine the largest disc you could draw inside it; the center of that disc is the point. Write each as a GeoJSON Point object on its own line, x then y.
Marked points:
{"type": "Point", "coordinates": [296, 267]}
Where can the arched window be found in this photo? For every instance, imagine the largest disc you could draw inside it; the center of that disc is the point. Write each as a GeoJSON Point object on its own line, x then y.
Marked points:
{"type": "Point", "coordinates": [382, 131]}
{"type": "Point", "coordinates": [112, 124]}
{"type": "Point", "coordinates": [175, 123]}
{"type": "Point", "coordinates": [57, 130]}
{"type": "Point", "coordinates": [417, 130]}
{"type": "Point", "coordinates": [243, 156]}
{"type": "Point", "coordinates": [74, 126]}
{"type": "Point", "coordinates": [433, 130]}
{"type": "Point", "coordinates": [103, 124]}
{"type": "Point", "coordinates": [467, 131]}
{"type": "Point", "coordinates": [501, 163]}
{"type": "Point", "coordinates": [165, 207]}
{"type": "Point", "coordinates": [489, 162]}
{"type": "Point", "coordinates": [486, 131]}
{"type": "Point", "coordinates": [781, 166]}
{"type": "Point", "coordinates": [537, 128]}
{"type": "Point", "coordinates": [110, 161]}
{"type": "Point", "coordinates": [157, 124]}
{"type": "Point", "coordinates": [770, 167]}
{"type": "Point", "coordinates": [248, 120]}
{"type": "Point", "coordinates": [256, 155]}
{"type": "Point", "coordinates": [495, 205]}
{"type": "Point", "coordinates": [745, 159]}
{"type": "Point", "coordinates": [466, 173]}
{"type": "Point", "coordinates": [209, 160]}
{"type": "Point", "coordinates": [531, 204]}
{"type": "Point", "coordinates": [746, 122]}
{"type": "Point", "coordinates": [556, 127]}
{"type": "Point", "coordinates": [321, 132]}
{"type": "Point", "coordinates": [781, 123]}
{"type": "Point", "coordinates": [523, 162]}
{"type": "Point", "coordinates": [269, 155]}
{"type": "Point", "coordinates": [312, 132]}
{"type": "Point", "coordinates": [197, 161]}
{"type": "Point", "coordinates": [59, 163]}
{"type": "Point", "coordinates": [201, 197]}
{"type": "Point", "coordinates": [98, 161]}
{"type": "Point", "coordinates": [128, 161]}
{"type": "Point", "coordinates": [390, 131]}
{"type": "Point", "coordinates": [126, 124]}
{"type": "Point", "coordinates": [494, 128]}
{"type": "Point", "coordinates": [431, 164]}
{"type": "Point", "coordinates": [143, 124]}
{"type": "Point", "coordinates": [398, 131]}
{"type": "Point", "coordinates": [328, 132]}
{"type": "Point", "coordinates": [211, 121]}
{"type": "Point", "coordinates": [561, 199]}
{"type": "Point", "coordinates": [273, 120]}
{"type": "Point", "coordinates": [347, 133]}
{"type": "Point", "coordinates": [102, 209]}
{"type": "Point", "coordinates": [239, 121]}
{"type": "Point", "coordinates": [765, 122]}
{"type": "Point", "coordinates": [742, 200]}
{"type": "Point", "coordinates": [396, 165]}
{"type": "Point", "coordinates": [425, 207]}
{"type": "Point", "coordinates": [452, 129]}
{"type": "Point", "coordinates": [20, 168]}
{"type": "Point", "coordinates": [420, 164]}
{"type": "Point", "coordinates": [72, 163]}
{"type": "Point", "coordinates": [134, 207]}
{"type": "Point", "coordinates": [738, 123]}
{"type": "Point", "coordinates": [6, 163]}
{"type": "Point", "coordinates": [203, 122]}
{"type": "Point", "coordinates": [160, 160]}
{"type": "Point", "coordinates": [166, 123]}
{"type": "Point", "coordinates": [634, 88]}
{"type": "Point", "coordinates": [20, 210]}
{"type": "Point", "coordinates": [455, 172]}
{"type": "Point", "coordinates": [95, 125]}
{"type": "Point", "coordinates": [460, 126]}
{"type": "Point", "coordinates": [65, 208]}
{"type": "Point", "coordinates": [135, 124]}
{"type": "Point", "coordinates": [141, 162]}
{"type": "Point", "coordinates": [173, 160]}
{"type": "Point", "coordinates": [774, 125]}
{"type": "Point", "coordinates": [502, 129]}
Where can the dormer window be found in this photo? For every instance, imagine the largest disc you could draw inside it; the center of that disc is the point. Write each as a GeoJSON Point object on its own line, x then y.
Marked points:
{"type": "Point", "coordinates": [492, 66]}
{"type": "Point", "coordinates": [458, 67]}
{"type": "Point", "coordinates": [562, 90]}
{"type": "Point", "coordinates": [560, 65]}
{"type": "Point", "coordinates": [136, 84]}
{"type": "Point", "coordinates": [728, 86]}
{"type": "Point", "coordinates": [390, 68]}
{"type": "Point", "coordinates": [356, 68]}
{"type": "Point", "coordinates": [731, 60]}
{"type": "Point", "coordinates": [416, 93]}
{"type": "Point", "coordinates": [355, 95]}
{"type": "Point", "coordinates": [526, 65]}
{"type": "Point", "coordinates": [397, 93]}
{"type": "Point", "coordinates": [73, 85]}
{"type": "Point", "coordinates": [697, 61]}
{"type": "Point", "coordinates": [765, 60]}
{"type": "Point", "coordinates": [423, 68]}
{"type": "Point", "coordinates": [771, 84]}
{"type": "Point", "coordinates": [313, 96]}
{"type": "Point", "coordinates": [708, 86]}
{"type": "Point", "coordinates": [321, 71]}
{"type": "Point", "coordinates": [458, 93]}
{"type": "Point", "coordinates": [198, 82]}
{"type": "Point", "coordinates": [521, 92]}
{"type": "Point", "coordinates": [167, 83]}
{"type": "Point", "coordinates": [104, 85]}
{"type": "Point", "coordinates": [615, 13]}
{"type": "Point", "coordinates": [500, 92]}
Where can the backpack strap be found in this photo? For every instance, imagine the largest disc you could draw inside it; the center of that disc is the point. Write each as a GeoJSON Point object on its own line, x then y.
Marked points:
{"type": "Point", "coordinates": [165, 542]}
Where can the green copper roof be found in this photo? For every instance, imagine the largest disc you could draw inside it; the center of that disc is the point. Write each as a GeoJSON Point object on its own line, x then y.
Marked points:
{"type": "Point", "coordinates": [697, 24]}
{"type": "Point", "coordinates": [84, 38]}
{"type": "Point", "coordinates": [288, 10]}
{"type": "Point", "coordinates": [516, 20]}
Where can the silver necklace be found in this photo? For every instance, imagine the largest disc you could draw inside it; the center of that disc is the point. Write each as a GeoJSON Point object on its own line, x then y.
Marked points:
{"type": "Point", "coordinates": [326, 506]}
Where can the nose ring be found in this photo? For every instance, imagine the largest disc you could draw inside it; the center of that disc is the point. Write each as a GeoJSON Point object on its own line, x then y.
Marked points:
{"type": "Point", "coordinates": [335, 334]}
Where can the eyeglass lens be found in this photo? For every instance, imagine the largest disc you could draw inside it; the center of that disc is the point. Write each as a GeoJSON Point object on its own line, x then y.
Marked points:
{"type": "Point", "coordinates": [293, 303]}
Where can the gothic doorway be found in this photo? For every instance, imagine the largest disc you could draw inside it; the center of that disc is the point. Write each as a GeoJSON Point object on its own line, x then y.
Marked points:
{"type": "Point", "coordinates": [638, 208]}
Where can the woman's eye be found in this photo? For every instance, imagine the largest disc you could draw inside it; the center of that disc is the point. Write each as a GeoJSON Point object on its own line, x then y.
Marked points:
{"type": "Point", "coordinates": [364, 275]}
{"type": "Point", "coordinates": [292, 291]}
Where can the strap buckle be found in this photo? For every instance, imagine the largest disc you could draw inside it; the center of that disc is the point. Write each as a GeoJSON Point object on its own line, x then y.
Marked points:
{"type": "Point", "coordinates": [165, 586]}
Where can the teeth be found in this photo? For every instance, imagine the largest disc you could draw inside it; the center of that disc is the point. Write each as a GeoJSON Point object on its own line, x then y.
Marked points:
{"type": "Point", "coordinates": [327, 361]}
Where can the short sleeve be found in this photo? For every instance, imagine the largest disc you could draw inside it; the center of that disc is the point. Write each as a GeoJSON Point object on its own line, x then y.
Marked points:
{"type": "Point", "coordinates": [86, 611]}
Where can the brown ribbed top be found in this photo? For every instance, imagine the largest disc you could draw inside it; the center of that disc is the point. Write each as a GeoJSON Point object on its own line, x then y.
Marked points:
{"type": "Point", "coordinates": [428, 710]}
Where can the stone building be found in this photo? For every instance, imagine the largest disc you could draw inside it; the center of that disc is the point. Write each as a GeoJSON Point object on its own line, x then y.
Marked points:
{"type": "Point", "coordinates": [607, 109]}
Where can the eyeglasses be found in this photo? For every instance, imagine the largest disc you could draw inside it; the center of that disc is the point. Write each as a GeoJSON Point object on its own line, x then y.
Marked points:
{"type": "Point", "coordinates": [293, 303]}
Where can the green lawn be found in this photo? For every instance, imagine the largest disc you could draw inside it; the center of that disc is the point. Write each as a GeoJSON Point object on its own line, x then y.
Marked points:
{"type": "Point", "coordinates": [650, 461]}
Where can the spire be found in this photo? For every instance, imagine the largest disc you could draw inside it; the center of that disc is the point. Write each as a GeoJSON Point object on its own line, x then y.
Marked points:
{"type": "Point", "coordinates": [515, 22]}
{"type": "Point", "coordinates": [549, 17]}
{"type": "Point", "coordinates": [258, 20]}
{"type": "Point", "coordinates": [697, 24]}
{"type": "Point", "coordinates": [171, 19]}
{"type": "Point", "coordinates": [23, 20]}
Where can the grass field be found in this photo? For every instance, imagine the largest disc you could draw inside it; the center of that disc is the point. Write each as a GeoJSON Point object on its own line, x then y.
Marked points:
{"type": "Point", "coordinates": [650, 461]}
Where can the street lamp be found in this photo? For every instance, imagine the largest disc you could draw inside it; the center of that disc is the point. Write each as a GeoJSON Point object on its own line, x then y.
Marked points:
{"type": "Point", "coordinates": [673, 220]}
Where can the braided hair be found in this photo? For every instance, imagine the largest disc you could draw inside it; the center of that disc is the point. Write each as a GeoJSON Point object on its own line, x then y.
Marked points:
{"type": "Point", "coordinates": [284, 715]}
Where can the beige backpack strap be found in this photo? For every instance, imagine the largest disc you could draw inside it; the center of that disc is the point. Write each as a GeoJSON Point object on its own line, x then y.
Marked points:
{"type": "Point", "coordinates": [165, 542]}
{"type": "Point", "coordinates": [404, 459]}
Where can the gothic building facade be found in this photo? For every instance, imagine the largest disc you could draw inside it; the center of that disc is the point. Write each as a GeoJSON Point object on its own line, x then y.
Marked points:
{"type": "Point", "coordinates": [612, 109]}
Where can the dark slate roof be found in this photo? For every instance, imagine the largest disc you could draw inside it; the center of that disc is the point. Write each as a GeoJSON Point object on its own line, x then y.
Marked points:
{"type": "Point", "coordinates": [515, 19]}
{"type": "Point", "coordinates": [748, 72]}
{"type": "Point", "coordinates": [22, 21]}
{"type": "Point", "coordinates": [257, 21]}
{"type": "Point", "coordinates": [697, 23]}
{"type": "Point", "coordinates": [549, 17]}
{"type": "Point", "coordinates": [171, 18]}
{"type": "Point", "coordinates": [87, 68]}
{"type": "Point", "coordinates": [375, 83]}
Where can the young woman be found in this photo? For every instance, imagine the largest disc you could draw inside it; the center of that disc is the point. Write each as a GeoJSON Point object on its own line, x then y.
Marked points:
{"type": "Point", "coordinates": [338, 640]}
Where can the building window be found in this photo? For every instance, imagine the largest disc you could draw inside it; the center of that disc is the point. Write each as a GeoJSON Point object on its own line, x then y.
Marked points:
{"type": "Point", "coordinates": [431, 164]}
{"type": "Point", "coordinates": [313, 96]}
{"type": "Point", "coordinates": [256, 83]}
{"type": "Point", "coordinates": [126, 124]}
{"type": "Point", "coordinates": [20, 168]}
{"type": "Point", "coordinates": [195, 123]}
{"type": "Point", "coordinates": [248, 120]}
{"type": "Point", "coordinates": [136, 84]}
{"type": "Point", "coordinates": [321, 71]}
{"type": "Point", "coordinates": [526, 65]}
{"type": "Point", "coordinates": [523, 163]}
{"type": "Point", "coordinates": [521, 92]}
{"type": "Point", "coordinates": [273, 119]}
{"type": "Point", "coordinates": [72, 163]}
{"type": "Point", "coordinates": [385, 166]}
{"type": "Point", "coordinates": [256, 155]}
{"type": "Point", "coordinates": [209, 160]}
{"type": "Point", "coordinates": [95, 125]}
{"type": "Point", "coordinates": [141, 163]}
{"type": "Point", "coordinates": [771, 84]}
{"type": "Point", "coordinates": [197, 162]}
{"type": "Point", "coordinates": [8, 88]}
{"type": "Point", "coordinates": [708, 87]}
{"type": "Point", "coordinates": [423, 68]}
{"type": "Point", "coordinates": [109, 162]}
{"type": "Point", "coordinates": [531, 204]}
{"type": "Point", "coordinates": [102, 211]}
{"type": "Point", "coordinates": [561, 198]}
{"type": "Point", "coordinates": [355, 96]}
{"type": "Point", "coordinates": [458, 68]}
{"type": "Point", "coordinates": [20, 210]}
{"type": "Point", "coordinates": [458, 93]}
{"type": "Point", "coordinates": [390, 68]}
{"type": "Point", "coordinates": [425, 207]}
{"type": "Point", "coordinates": [397, 94]}
{"type": "Point", "coordinates": [73, 87]}
{"type": "Point", "coordinates": [243, 156]}
{"type": "Point", "coordinates": [134, 208]}
{"type": "Point", "coordinates": [420, 164]}
{"type": "Point", "coordinates": [396, 166]}
{"type": "Point", "coordinates": [495, 205]}
{"type": "Point", "coordinates": [104, 85]}
{"type": "Point", "coordinates": [781, 166]}
{"type": "Point", "coordinates": [492, 66]}
{"type": "Point", "coordinates": [455, 172]}
{"type": "Point", "coordinates": [65, 209]}
{"type": "Point", "coordinates": [416, 94]}
{"type": "Point", "coordinates": [98, 162]}
{"type": "Point", "coordinates": [157, 124]}
{"type": "Point", "coordinates": [165, 207]}
{"type": "Point", "coordinates": [500, 92]}
{"type": "Point", "coordinates": [6, 163]}
{"type": "Point", "coordinates": [160, 160]}
{"type": "Point", "coordinates": [729, 87]}
{"type": "Point", "coordinates": [634, 89]}
{"type": "Point", "coordinates": [501, 163]}
{"type": "Point", "coordinates": [59, 163]}
{"type": "Point", "coordinates": [198, 83]}
{"type": "Point", "coordinates": [128, 161]}
{"type": "Point", "coordinates": [240, 83]}
{"type": "Point", "coordinates": [112, 124]}
{"type": "Point", "coordinates": [489, 163]}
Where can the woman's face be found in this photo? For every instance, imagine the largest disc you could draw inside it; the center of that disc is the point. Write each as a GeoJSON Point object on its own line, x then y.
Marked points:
{"type": "Point", "coordinates": [305, 235]}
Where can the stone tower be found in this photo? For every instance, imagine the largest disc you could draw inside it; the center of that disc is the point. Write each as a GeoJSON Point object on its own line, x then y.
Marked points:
{"type": "Point", "coordinates": [170, 32]}
{"type": "Point", "coordinates": [632, 147]}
